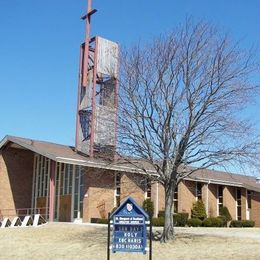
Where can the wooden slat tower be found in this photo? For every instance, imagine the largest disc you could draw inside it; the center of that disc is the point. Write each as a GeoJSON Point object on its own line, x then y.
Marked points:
{"type": "Point", "coordinates": [96, 123]}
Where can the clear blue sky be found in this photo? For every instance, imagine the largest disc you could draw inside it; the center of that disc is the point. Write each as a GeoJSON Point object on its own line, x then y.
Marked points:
{"type": "Point", "coordinates": [39, 50]}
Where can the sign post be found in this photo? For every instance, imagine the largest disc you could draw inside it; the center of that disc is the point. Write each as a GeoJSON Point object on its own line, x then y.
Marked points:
{"type": "Point", "coordinates": [129, 229]}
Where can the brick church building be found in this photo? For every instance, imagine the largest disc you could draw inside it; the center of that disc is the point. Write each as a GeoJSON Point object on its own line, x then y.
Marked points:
{"type": "Point", "coordinates": [70, 184]}
{"type": "Point", "coordinates": [66, 186]}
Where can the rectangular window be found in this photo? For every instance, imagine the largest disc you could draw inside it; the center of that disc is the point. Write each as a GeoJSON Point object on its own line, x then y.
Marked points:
{"type": "Point", "coordinates": [79, 192]}
{"type": "Point", "coordinates": [249, 199]}
{"type": "Point", "coordinates": [198, 191]}
{"type": "Point", "coordinates": [57, 196]}
{"type": "Point", "coordinates": [117, 189]}
{"type": "Point", "coordinates": [70, 178]}
{"type": "Point", "coordinates": [175, 200]}
{"type": "Point", "coordinates": [148, 189]}
{"type": "Point", "coordinates": [40, 178]}
{"type": "Point", "coordinates": [220, 197]}
{"type": "Point", "coordinates": [62, 171]}
{"type": "Point", "coordinates": [238, 204]}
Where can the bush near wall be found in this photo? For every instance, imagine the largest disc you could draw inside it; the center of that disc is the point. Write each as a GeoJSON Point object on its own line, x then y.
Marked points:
{"type": "Point", "coordinates": [102, 221]}
{"type": "Point", "coordinates": [194, 222]}
{"type": "Point", "coordinates": [198, 210]}
{"type": "Point", "coordinates": [158, 222]}
{"type": "Point", "coordinates": [148, 207]}
{"type": "Point", "coordinates": [94, 220]}
{"type": "Point", "coordinates": [225, 214]}
{"type": "Point", "coordinates": [223, 211]}
{"type": "Point", "coordinates": [161, 213]}
{"type": "Point", "coordinates": [214, 222]}
{"type": "Point", "coordinates": [180, 219]}
{"type": "Point", "coordinates": [242, 223]}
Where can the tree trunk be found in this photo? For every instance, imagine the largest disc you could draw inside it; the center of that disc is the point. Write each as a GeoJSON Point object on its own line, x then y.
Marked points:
{"type": "Point", "coordinates": [168, 229]}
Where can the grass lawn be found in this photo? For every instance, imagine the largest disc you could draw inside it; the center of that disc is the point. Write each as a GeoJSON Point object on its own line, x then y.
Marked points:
{"type": "Point", "coordinates": [71, 241]}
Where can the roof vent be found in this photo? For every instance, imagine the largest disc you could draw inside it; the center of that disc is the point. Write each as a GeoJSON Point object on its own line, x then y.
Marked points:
{"type": "Point", "coordinates": [257, 180]}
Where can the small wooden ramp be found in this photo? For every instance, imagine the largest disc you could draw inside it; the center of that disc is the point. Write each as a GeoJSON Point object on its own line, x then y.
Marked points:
{"type": "Point", "coordinates": [27, 221]}
{"type": "Point", "coordinates": [16, 222]}
{"type": "Point", "coordinates": [38, 220]}
{"type": "Point", "coordinates": [6, 223]}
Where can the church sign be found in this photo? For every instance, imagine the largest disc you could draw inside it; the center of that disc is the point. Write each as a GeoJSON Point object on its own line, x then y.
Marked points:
{"type": "Point", "coordinates": [129, 228]}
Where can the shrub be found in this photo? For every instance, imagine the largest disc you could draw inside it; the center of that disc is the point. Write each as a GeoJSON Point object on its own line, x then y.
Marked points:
{"type": "Point", "coordinates": [148, 207]}
{"type": "Point", "coordinates": [158, 222]}
{"type": "Point", "coordinates": [242, 223]}
{"type": "Point", "coordinates": [224, 213]}
{"type": "Point", "coordinates": [194, 222]}
{"type": "Point", "coordinates": [180, 219]}
{"type": "Point", "coordinates": [224, 221]}
{"type": "Point", "coordinates": [94, 220]}
{"type": "Point", "coordinates": [161, 213]}
{"type": "Point", "coordinates": [198, 210]}
{"type": "Point", "coordinates": [213, 222]}
{"type": "Point", "coordinates": [102, 221]}
{"type": "Point", "coordinates": [236, 223]}
{"type": "Point", "coordinates": [248, 223]}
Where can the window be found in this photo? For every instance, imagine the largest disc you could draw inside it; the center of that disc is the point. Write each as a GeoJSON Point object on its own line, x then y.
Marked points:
{"type": "Point", "coordinates": [249, 198]}
{"type": "Point", "coordinates": [62, 179]}
{"type": "Point", "coordinates": [148, 189]}
{"type": "Point", "coordinates": [41, 171]}
{"type": "Point", "coordinates": [57, 192]}
{"type": "Point", "coordinates": [238, 204]}
{"type": "Point", "coordinates": [78, 192]}
{"type": "Point", "coordinates": [68, 175]}
{"type": "Point", "coordinates": [117, 189]}
{"type": "Point", "coordinates": [198, 191]}
{"type": "Point", "coordinates": [175, 201]}
{"type": "Point", "coordinates": [220, 197]}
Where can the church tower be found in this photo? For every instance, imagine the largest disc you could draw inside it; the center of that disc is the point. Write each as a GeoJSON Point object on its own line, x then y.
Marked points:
{"type": "Point", "coordinates": [96, 119]}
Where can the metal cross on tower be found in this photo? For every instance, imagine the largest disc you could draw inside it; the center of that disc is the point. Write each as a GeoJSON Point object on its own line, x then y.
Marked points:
{"type": "Point", "coordinates": [96, 119]}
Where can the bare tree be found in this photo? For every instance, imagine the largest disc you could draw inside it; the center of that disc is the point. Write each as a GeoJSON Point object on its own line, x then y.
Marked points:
{"type": "Point", "coordinates": [181, 102]}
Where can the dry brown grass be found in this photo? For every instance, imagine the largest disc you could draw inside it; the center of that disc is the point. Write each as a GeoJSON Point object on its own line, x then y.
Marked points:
{"type": "Point", "coordinates": [68, 241]}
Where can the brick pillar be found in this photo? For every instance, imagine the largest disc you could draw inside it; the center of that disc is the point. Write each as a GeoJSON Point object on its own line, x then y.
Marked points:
{"type": "Point", "coordinates": [243, 203]}
{"type": "Point", "coordinates": [212, 200]}
{"type": "Point", "coordinates": [52, 192]}
{"type": "Point", "coordinates": [155, 197]}
{"type": "Point", "coordinates": [205, 196]}
{"type": "Point", "coordinates": [229, 200]}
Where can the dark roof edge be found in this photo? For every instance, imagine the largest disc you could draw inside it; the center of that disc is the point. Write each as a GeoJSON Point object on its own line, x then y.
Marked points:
{"type": "Point", "coordinates": [12, 139]}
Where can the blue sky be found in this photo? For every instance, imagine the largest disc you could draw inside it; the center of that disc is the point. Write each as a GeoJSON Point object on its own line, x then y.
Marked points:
{"type": "Point", "coordinates": [39, 50]}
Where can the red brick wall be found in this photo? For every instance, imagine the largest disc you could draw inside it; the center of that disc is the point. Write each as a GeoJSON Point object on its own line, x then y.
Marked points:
{"type": "Point", "coordinates": [100, 188]}
{"type": "Point", "coordinates": [229, 200]}
{"type": "Point", "coordinates": [212, 200]}
{"type": "Point", "coordinates": [154, 190]}
{"type": "Point", "coordinates": [16, 173]}
{"type": "Point", "coordinates": [133, 185]}
{"type": "Point", "coordinates": [243, 203]}
{"type": "Point", "coordinates": [161, 198]}
{"type": "Point", "coordinates": [100, 195]}
{"type": "Point", "coordinates": [99, 198]}
{"type": "Point", "coordinates": [255, 208]}
{"type": "Point", "coordinates": [186, 196]}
